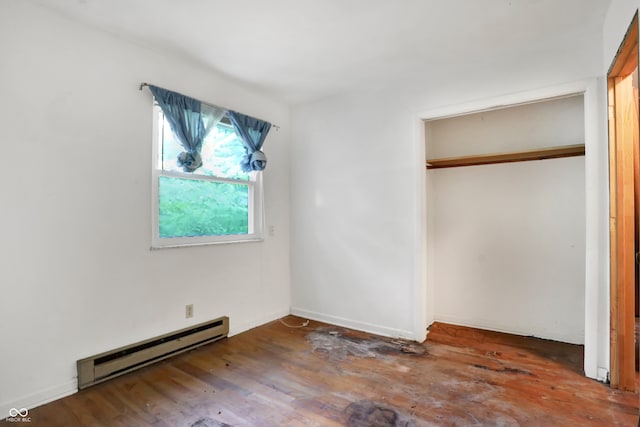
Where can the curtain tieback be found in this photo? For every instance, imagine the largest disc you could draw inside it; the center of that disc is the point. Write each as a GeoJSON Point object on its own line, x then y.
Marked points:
{"type": "Point", "coordinates": [255, 161]}
{"type": "Point", "coordinates": [189, 162]}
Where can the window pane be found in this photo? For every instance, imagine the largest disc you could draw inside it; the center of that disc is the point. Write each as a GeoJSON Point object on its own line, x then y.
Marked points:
{"type": "Point", "coordinates": [221, 152]}
{"type": "Point", "coordinates": [200, 208]}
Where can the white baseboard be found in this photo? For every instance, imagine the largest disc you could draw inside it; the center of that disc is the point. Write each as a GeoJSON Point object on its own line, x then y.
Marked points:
{"type": "Point", "coordinates": [354, 324]}
{"type": "Point", "coordinates": [490, 326]}
{"type": "Point", "coordinates": [40, 398]}
{"type": "Point", "coordinates": [603, 375]}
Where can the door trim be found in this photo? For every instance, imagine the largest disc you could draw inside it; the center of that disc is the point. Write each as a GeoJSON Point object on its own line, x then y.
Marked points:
{"type": "Point", "coordinates": [596, 305]}
{"type": "Point", "coordinates": [623, 136]}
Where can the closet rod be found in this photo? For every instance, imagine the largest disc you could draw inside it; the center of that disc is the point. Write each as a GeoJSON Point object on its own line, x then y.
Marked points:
{"type": "Point", "coordinates": [521, 156]}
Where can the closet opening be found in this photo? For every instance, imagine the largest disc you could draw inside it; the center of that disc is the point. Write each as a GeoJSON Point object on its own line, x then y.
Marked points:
{"type": "Point", "coordinates": [506, 219]}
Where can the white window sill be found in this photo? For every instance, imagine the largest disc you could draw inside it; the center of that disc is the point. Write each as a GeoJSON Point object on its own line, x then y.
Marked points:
{"type": "Point", "coordinates": [167, 245]}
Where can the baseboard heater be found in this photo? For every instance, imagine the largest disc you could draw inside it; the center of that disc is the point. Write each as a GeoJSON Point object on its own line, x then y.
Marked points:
{"type": "Point", "coordinates": [110, 364]}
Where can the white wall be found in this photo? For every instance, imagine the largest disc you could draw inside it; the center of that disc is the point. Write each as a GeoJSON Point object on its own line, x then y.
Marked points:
{"type": "Point", "coordinates": [531, 126]}
{"type": "Point", "coordinates": [76, 273]}
{"type": "Point", "coordinates": [350, 227]}
{"type": "Point", "coordinates": [358, 210]}
{"type": "Point", "coordinates": [509, 239]}
{"type": "Point", "coordinates": [509, 249]}
{"type": "Point", "coordinates": [616, 24]}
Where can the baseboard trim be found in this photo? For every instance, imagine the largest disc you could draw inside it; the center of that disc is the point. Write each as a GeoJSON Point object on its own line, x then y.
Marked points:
{"type": "Point", "coordinates": [353, 324]}
{"type": "Point", "coordinates": [39, 398]}
{"type": "Point", "coordinates": [489, 326]}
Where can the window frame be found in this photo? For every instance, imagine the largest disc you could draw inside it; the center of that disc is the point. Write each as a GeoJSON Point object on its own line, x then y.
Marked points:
{"type": "Point", "coordinates": [255, 200]}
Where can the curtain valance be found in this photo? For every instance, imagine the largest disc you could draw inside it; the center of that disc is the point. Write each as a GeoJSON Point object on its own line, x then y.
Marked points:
{"type": "Point", "coordinates": [192, 120]}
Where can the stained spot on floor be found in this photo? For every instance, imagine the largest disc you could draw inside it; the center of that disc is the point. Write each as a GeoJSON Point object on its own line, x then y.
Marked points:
{"type": "Point", "coordinates": [506, 370]}
{"type": "Point", "coordinates": [209, 422]}
{"type": "Point", "coordinates": [339, 344]}
{"type": "Point", "coordinates": [367, 413]}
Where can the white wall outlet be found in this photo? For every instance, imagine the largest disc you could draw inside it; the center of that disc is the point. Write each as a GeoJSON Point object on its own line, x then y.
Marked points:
{"type": "Point", "coordinates": [272, 230]}
{"type": "Point", "coordinates": [188, 311]}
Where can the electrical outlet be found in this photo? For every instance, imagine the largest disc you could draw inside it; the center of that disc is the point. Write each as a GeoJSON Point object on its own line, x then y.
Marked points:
{"type": "Point", "coordinates": [272, 230]}
{"type": "Point", "coordinates": [188, 311]}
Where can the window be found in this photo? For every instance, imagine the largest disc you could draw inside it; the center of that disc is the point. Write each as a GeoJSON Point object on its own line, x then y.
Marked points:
{"type": "Point", "coordinates": [216, 203]}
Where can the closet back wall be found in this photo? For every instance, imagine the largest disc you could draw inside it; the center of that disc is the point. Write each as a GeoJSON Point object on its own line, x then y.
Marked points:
{"type": "Point", "coordinates": [509, 239]}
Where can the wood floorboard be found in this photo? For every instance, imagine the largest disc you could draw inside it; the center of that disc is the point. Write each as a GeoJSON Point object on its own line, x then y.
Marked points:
{"type": "Point", "coordinates": [323, 375]}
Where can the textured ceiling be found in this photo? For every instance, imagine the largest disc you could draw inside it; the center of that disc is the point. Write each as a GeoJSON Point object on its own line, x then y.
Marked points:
{"type": "Point", "coordinates": [300, 50]}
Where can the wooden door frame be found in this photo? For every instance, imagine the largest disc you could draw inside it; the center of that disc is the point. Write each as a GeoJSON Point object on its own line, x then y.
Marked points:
{"type": "Point", "coordinates": [623, 136]}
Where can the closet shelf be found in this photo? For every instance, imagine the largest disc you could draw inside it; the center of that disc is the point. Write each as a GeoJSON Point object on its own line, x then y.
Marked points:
{"type": "Point", "coordinates": [521, 156]}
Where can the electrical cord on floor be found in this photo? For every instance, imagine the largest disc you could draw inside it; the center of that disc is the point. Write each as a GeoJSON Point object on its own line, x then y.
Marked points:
{"type": "Point", "coordinates": [305, 323]}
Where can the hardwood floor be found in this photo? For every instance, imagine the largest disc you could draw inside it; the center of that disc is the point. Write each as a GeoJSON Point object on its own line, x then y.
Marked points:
{"type": "Point", "coordinates": [323, 375]}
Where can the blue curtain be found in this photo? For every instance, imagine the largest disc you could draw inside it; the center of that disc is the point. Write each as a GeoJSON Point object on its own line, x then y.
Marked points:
{"type": "Point", "coordinates": [253, 133]}
{"type": "Point", "coordinates": [186, 119]}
